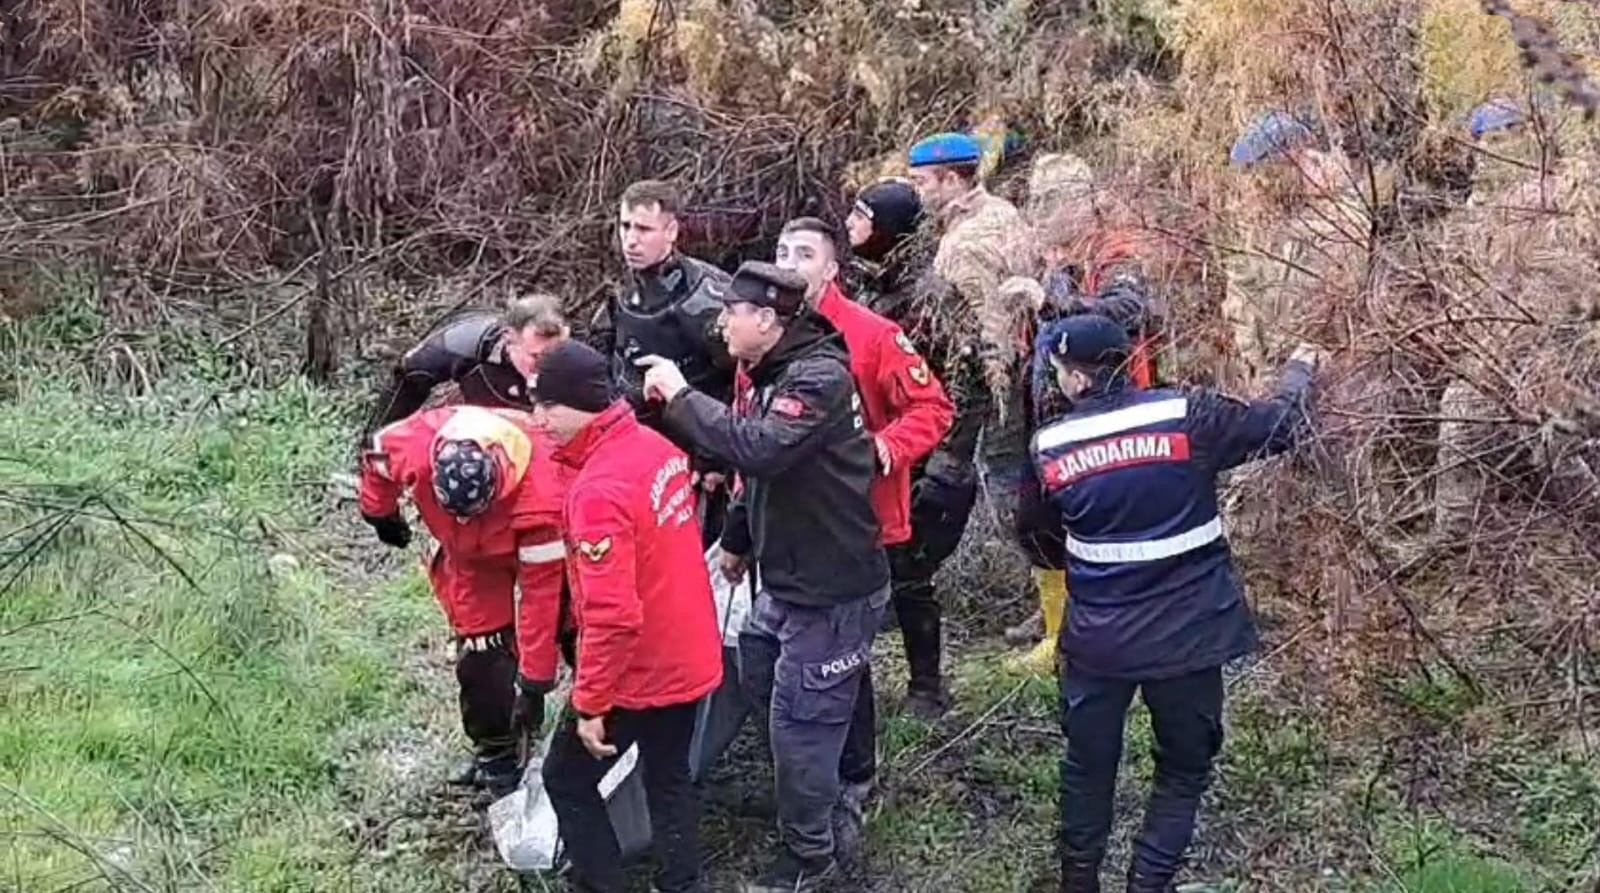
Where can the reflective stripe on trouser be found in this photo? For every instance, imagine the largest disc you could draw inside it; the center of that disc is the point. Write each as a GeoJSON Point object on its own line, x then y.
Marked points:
{"type": "Point", "coordinates": [1146, 550]}
{"type": "Point", "coordinates": [804, 666]}
{"type": "Point", "coordinates": [1186, 716]}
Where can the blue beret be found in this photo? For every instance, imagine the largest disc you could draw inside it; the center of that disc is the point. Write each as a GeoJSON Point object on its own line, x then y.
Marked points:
{"type": "Point", "coordinates": [1271, 135]}
{"type": "Point", "coordinates": [1089, 339]}
{"type": "Point", "coordinates": [1499, 114]}
{"type": "Point", "coordinates": [947, 148]}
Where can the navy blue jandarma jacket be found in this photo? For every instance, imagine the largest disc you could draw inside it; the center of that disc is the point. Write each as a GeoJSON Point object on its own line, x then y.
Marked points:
{"type": "Point", "coordinates": [1134, 474]}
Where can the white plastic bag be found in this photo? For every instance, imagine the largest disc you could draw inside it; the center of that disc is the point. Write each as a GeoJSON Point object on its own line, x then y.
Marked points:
{"type": "Point", "coordinates": [732, 599]}
{"type": "Point", "coordinates": [524, 823]}
{"type": "Point", "coordinates": [721, 714]}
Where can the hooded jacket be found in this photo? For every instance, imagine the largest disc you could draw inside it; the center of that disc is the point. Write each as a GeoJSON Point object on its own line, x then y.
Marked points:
{"type": "Point", "coordinates": [905, 290]}
{"type": "Point", "coordinates": [805, 462]}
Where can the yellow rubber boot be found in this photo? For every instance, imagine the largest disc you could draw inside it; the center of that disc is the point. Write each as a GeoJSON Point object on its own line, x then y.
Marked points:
{"type": "Point", "coordinates": [1041, 659]}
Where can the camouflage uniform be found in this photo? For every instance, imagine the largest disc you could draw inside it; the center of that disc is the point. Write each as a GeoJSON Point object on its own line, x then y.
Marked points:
{"type": "Point", "coordinates": [986, 242]}
{"type": "Point", "coordinates": [1513, 189]}
{"type": "Point", "coordinates": [1273, 284]}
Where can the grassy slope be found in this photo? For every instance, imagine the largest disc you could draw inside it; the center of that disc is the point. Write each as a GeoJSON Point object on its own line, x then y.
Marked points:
{"type": "Point", "coordinates": [181, 710]}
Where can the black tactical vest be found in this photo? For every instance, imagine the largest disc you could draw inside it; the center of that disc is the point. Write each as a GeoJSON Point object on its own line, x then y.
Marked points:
{"type": "Point", "coordinates": [672, 312]}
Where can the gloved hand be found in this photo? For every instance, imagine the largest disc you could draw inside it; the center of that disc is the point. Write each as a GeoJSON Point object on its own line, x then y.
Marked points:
{"type": "Point", "coordinates": [392, 530]}
{"type": "Point", "coordinates": [527, 712]}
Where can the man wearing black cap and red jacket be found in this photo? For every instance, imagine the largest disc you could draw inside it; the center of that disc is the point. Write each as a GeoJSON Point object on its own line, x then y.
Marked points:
{"type": "Point", "coordinates": [1156, 606]}
{"type": "Point", "coordinates": [803, 517]}
{"type": "Point", "coordinates": [648, 644]}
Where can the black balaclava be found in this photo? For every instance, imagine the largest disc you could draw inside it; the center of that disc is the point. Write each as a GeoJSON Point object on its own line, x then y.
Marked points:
{"type": "Point", "coordinates": [896, 214]}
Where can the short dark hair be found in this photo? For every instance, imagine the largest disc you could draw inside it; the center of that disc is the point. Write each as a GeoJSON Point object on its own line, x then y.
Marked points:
{"type": "Point", "coordinates": [645, 193]}
{"type": "Point", "coordinates": [813, 225]}
{"type": "Point", "coordinates": [967, 172]}
{"type": "Point", "coordinates": [541, 312]}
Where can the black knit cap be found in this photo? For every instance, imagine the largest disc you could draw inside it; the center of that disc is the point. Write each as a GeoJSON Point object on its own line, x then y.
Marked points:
{"type": "Point", "coordinates": [766, 285]}
{"type": "Point", "coordinates": [895, 212]}
{"type": "Point", "coordinates": [574, 375]}
{"type": "Point", "coordinates": [1090, 341]}
{"type": "Point", "coordinates": [464, 478]}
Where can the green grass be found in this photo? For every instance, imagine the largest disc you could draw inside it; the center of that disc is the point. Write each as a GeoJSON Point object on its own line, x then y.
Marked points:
{"type": "Point", "coordinates": [199, 690]}
{"type": "Point", "coordinates": [173, 714]}
{"type": "Point", "coordinates": [1428, 857]}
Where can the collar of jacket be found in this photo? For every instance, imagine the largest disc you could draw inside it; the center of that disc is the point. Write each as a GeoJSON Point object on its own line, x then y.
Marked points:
{"type": "Point", "coordinates": [960, 209]}
{"type": "Point", "coordinates": [828, 302]}
{"type": "Point", "coordinates": [616, 421]}
{"type": "Point", "coordinates": [1106, 383]}
{"type": "Point", "coordinates": [662, 280]}
{"type": "Point", "coordinates": [808, 333]}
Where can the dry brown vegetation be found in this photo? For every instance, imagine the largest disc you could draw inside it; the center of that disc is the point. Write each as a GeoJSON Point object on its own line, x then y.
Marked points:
{"type": "Point", "coordinates": [186, 148]}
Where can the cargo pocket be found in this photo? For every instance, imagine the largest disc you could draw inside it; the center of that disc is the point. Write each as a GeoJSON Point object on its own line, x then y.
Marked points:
{"type": "Point", "coordinates": [828, 689]}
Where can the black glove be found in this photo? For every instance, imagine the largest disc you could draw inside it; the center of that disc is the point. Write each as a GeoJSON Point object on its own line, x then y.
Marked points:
{"type": "Point", "coordinates": [527, 712]}
{"type": "Point", "coordinates": [392, 530]}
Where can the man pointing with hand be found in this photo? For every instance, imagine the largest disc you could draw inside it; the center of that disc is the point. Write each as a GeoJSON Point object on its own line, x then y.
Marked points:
{"type": "Point", "coordinates": [802, 516]}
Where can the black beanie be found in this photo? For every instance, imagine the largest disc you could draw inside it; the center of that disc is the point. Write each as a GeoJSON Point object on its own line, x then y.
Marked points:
{"type": "Point", "coordinates": [895, 212]}
{"type": "Point", "coordinates": [574, 375]}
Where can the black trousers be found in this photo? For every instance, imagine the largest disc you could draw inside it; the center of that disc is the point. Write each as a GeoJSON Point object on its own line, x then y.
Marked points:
{"type": "Point", "coordinates": [713, 513]}
{"type": "Point", "coordinates": [939, 515]}
{"type": "Point", "coordinates": [572, 776]}
{"type": "Point", "coordinates": [486, 679]}
{"type": "Point", "coordinates": [1186, 714]}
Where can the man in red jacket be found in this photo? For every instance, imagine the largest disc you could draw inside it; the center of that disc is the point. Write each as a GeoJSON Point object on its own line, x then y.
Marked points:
{"type": "Point", "coordinates": [486, 485]}
{"type": "Point", "coordinates": [908, 414]}
{"type": "Point", "coordinates": [648, 644]}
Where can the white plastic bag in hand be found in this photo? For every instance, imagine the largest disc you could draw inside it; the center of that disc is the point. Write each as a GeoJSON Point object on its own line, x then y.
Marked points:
{"type": "Point", "coordinates": [732, 599]}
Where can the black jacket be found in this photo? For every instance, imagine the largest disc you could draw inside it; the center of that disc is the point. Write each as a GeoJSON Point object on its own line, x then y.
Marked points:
{"type": "Point", "coordinates": [805, 461]}
{"type": "Point", "coordinates": [465, 348]}
{"type": "Point", "coordinates": [905, 290]}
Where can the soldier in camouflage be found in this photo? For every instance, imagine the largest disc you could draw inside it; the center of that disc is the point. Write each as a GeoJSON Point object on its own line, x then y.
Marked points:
{"type": "Point", "coordinates": [1322, 221]}
{"type": "Point", "coordinates": [984, 241]}
{"type": "Point", "coordinates": [1514, 182]}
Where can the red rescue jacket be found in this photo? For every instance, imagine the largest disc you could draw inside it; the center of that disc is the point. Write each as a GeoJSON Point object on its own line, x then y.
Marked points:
{"type": "Point", "coordinates": [904, 404]}
{"type": "Point", "coordinates": [517, 541]}
{"type": "Point", "coordinates": [641, 594]}
{"type": "Point", "coordinates": [1103, 252]}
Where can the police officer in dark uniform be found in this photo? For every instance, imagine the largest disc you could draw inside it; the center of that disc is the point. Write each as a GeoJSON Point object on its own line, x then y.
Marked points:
{"type": "Point", "coordinates": [1156, 606]}
{"type": "Point", "coordinates": [668, 308]}
{"type": "Point", "coordinates": [803, 519]}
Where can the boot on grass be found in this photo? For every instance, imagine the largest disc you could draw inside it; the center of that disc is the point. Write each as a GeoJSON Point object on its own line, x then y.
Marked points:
{"type": "Point", "coordinates": [1040, 660]}
{"type": "Point", "coordinates": [920, 626]}
{"type": "Point", "coordinates": [1080, 877]}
